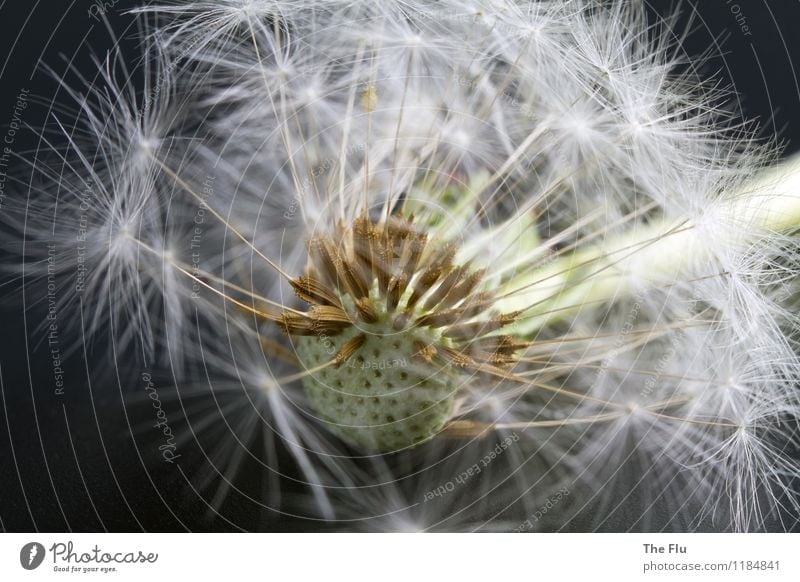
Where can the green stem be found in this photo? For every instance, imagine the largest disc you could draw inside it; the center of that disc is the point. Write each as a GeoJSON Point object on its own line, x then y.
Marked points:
{"type": "Point", "coordinates": [656, 255]}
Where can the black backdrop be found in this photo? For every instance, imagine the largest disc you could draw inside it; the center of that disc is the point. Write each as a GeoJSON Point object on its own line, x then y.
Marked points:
{"type": "Point", "coordinates": [68, 463]}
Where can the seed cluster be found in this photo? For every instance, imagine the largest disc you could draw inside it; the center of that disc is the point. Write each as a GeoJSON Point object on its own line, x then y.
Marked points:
{"type": "Point", "coordinates": [392, 319]}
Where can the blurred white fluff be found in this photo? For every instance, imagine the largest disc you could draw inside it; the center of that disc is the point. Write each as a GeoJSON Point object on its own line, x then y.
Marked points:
{"type": "Point", "coordinates": [530, 132]}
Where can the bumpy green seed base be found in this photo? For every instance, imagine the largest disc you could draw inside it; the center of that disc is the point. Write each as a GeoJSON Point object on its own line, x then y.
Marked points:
{"type": "Point", "coordinates": [382, 398]}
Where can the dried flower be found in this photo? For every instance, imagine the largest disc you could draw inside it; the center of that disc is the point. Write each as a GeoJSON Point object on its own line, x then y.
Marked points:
{"type": "Point", "coordinates": [497, 247]}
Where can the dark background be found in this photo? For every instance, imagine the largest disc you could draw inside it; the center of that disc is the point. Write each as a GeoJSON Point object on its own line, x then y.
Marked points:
{"type": "Point", "coordinates": [69, 463]}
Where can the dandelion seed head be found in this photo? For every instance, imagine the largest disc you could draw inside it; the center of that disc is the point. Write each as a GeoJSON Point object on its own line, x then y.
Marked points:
{"type": "Point", "coordinates": [524, 207]}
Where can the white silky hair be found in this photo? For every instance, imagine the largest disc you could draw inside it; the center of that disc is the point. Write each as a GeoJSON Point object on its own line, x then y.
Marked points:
{"type": "Point", "coordinates": [567, 123]}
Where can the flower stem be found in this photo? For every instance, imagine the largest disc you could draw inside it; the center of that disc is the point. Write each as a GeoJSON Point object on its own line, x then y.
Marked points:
{"type": "Point", "coordinates": [659, 254]}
